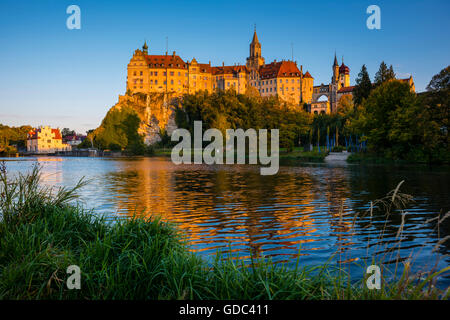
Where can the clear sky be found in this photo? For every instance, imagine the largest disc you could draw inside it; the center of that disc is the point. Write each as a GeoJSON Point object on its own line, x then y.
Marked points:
{"type": "Point", "coordinates": [70, 78]}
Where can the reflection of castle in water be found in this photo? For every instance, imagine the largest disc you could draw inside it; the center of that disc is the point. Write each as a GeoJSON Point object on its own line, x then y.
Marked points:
{"type": "Point", "coordinates": [235, 208]}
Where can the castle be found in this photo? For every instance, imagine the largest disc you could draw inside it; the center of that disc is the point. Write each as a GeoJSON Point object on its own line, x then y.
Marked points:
{"type": "Point", "coordinates": [170, 74]}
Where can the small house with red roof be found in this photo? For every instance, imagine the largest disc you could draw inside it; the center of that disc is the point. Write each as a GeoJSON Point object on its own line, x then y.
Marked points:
{"type": "Point", "coordinates": [45, 140]}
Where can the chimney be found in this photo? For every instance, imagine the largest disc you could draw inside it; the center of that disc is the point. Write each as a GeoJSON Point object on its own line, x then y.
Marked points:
{"type": "Point", "coordinates": [173, 54]}
{"type": "Point", "coordinates": [223, 64]}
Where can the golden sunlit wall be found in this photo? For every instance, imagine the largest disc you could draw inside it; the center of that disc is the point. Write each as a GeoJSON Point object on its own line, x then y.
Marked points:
{"type": "Point", "coordinates": [307, 90]}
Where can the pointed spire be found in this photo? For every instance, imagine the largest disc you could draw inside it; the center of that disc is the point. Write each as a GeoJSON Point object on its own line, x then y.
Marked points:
{"type": "Point", "coordinates": [145, 47]}
{"type": "Point", "coordinates": [335, 60]}
{"type": "Point", "coordinates": [255, 37]}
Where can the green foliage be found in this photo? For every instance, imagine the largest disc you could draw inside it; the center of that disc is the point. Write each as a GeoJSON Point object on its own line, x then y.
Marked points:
{"type": "Point", "coordinates": [11, 137]}
{"type": "Point", "coordinates": [440, 81]}
{"type": "Point", "coordinates": [228, 110]}
{"type": "Point", "coordinates": [141, 258]}
{"type": "Point", "coordinates": [338, 149]}
{"type": "Point", "coordinates": [363, 86]}
{"type": "Point", "coordinates": [67, 132]}
{"type": "Point", "coordinates": [396, 124]}
{"type": "Point", "coordinates": [119, 131]}
{"type": "Point", "coordinates": [384, 74]}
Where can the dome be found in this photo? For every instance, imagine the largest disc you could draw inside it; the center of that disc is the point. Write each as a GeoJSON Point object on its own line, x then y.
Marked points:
{"type": "Point", "coordinates": [344, 69]}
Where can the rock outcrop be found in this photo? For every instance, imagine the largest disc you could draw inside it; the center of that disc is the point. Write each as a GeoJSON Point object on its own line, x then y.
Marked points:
{"type": "Point", "coordinates": [156, 112]}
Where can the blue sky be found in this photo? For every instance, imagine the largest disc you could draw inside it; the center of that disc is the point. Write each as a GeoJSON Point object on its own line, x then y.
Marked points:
{"type": "Point", "coordinates": [70, 78]}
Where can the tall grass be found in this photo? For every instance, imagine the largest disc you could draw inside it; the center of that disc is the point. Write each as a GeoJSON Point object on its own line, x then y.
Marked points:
{"type": "Point", "coordinates": [41, 234]}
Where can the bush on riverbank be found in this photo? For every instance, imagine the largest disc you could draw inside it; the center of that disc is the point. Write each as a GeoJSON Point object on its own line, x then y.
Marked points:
{"type": "Point", "coordinates": [41, 235]}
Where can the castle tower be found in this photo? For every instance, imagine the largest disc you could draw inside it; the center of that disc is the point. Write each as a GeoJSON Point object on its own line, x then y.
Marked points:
{"type": "Point", "coordinates": [335, 78]}
{"type": "Point", "coordinates": [344, 75]}
{"type": "Point", "coordinates": [255, 46]}
{"type": "Point", "coordinates": [145, 48]}
{"type": "Point", "coordinates": [255, 60]}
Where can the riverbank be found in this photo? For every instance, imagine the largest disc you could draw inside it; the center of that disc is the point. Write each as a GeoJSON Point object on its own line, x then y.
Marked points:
{"type": "Point", "coordinates": [41, 235]}
{"type": "Point", "coordinates": [370, 158]}
{"type": "Point", "coordinates": [296, 154]}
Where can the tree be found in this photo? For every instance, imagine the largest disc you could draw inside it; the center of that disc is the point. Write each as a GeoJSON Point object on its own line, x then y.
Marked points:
{"type": "Point", "coordinates": [228, 110]}
{"type": "Point", "coordinates": [436, 102]}
{"type": "Point", "coordinates": [384, 74]}
{"type": "Point", "coordinates": [67, 132]}
{"type": "Point", "coordinates": [10, 136]}
{"type": "Point", "coordinates": [118, 131]}
{"type": "Point", "coordinates": [363, 86]}
{"type": "Point", "coordinates": [440, 81]}
{"type": "Point", "coordinates": [395, 122]}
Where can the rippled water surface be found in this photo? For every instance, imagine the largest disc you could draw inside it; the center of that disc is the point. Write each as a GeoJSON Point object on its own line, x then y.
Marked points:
{"type": "Point", "coordinates": [306, 212]}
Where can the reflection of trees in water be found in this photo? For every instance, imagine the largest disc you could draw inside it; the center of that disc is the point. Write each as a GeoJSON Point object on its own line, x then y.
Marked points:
{"type": "Point", "coordinates": [234, 208]}
{"type": "Point", "coordinates": [236, 205]}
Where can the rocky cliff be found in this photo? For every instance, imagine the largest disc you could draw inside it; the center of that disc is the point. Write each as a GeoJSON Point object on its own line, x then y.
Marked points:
{"type": "Point", "coordinates": [156, 112]}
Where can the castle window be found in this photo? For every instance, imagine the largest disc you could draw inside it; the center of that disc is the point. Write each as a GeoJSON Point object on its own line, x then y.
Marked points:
{"type": "Point", "coordinates": [134, 73]}
{"type": "Point", "coordinates": [141, 73]}
{"type": "Point", "coordinates": [156, 81]}
{"type": "Point", "coordinates": [165, 73]}
{"type": "Point", "coordinates": [171, 82]}
{"type": "Point", "coordinates": [156, 73]}
{"type": "Point", "coordinates": [171, 73]}
{"type": "Point", "coordinates": [179, 73]}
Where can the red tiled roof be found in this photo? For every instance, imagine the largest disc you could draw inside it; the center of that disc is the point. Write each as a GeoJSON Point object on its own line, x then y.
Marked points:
{"type": "Point", "coordinates": [204, 67]}
{"type": "Point", "coordinates": [33, 134]}
{"type": "Point", "coordinates": [77, 137]}
{"type": "Point", "coordinates": [344, 69]}
{"type": "Point", "coordinates": [405, 80]}
{"type": "Point", "coordinates": [57, 134]}
{"type": "Point", "coordinates": [228, 69]}
{"type": "Point", "coordinates": [165, 61]}
{"type": "Point", "coordinates": [307, 75]}
{"type": "Point", "coordinates": [279, 69]}
{"type": "Point", "coordinates": [346, 89]}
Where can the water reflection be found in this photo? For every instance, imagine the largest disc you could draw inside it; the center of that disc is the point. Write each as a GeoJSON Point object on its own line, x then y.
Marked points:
{"type": "Point", "coordinates": [309, 212]}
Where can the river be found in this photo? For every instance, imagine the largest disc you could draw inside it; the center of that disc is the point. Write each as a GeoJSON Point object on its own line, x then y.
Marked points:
{"type": "Point", "coordinates": [306, 213]}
